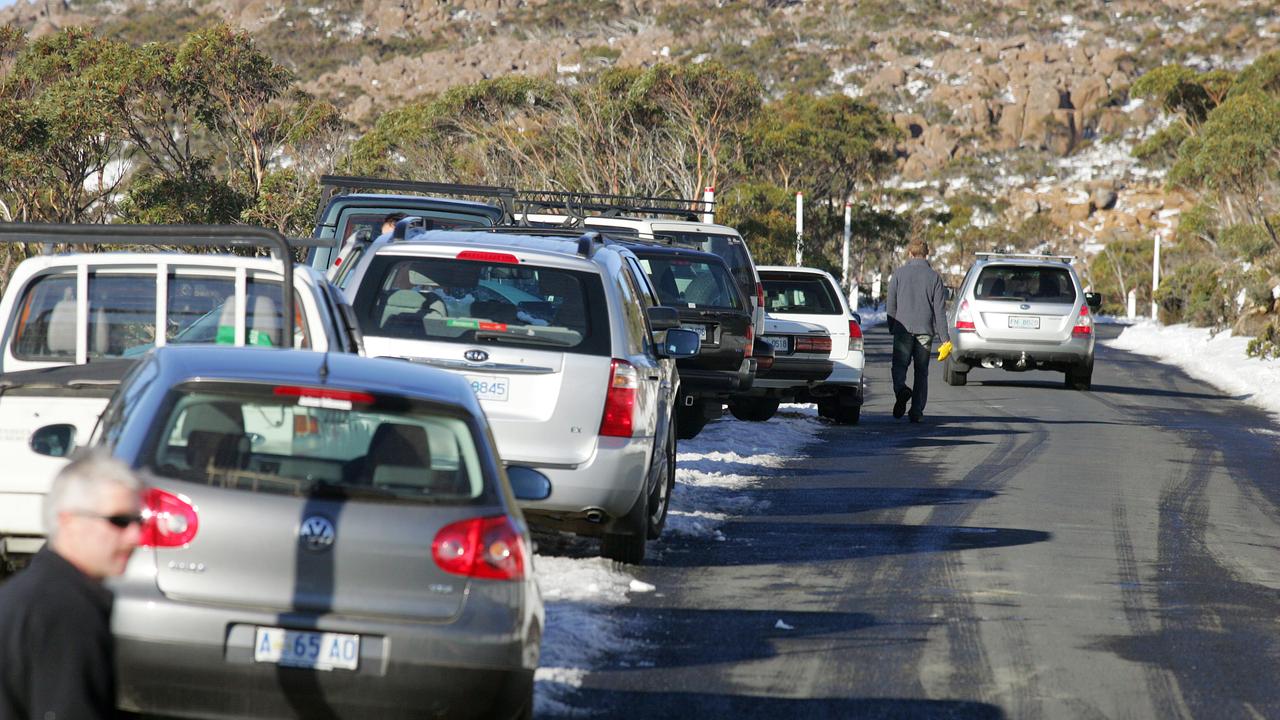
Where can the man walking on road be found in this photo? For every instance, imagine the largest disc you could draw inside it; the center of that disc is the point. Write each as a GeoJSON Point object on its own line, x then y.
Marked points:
{"type": "Point", "coordinates": [56, 651]}
{"type": "Point", "coordinates": [916, 310]}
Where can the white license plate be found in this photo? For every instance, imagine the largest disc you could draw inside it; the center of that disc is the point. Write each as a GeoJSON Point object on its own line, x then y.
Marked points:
{"type": "Point", "coordinates": [303, 649]}
{"type": "Point", "coordinates": [700, 329]}
{"type": "Point", "coordinates": [490, 387]}
{"type": "Point", "coordinates": [1024, 322]}
{"type": "Point", "coordinates": [780, 344]}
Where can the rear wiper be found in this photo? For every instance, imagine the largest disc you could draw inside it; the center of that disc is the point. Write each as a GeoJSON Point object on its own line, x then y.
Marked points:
{"type": "Point", "coordinates": [324, 488]}
{"type": "Point", "coordinates": [532, 339]}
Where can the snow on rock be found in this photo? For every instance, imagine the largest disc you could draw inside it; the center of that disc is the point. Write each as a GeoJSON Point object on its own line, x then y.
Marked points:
{"type": "Point", "coordinates": [1219, 359]}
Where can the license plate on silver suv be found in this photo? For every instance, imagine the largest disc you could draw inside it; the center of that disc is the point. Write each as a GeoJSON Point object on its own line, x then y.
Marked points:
{"type": "Point", "coordinates": [1024, 322]}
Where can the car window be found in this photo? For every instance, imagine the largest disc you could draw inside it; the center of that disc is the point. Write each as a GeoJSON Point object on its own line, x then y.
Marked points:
{"type": "Point", "coordinates": [800, 295]}
{"type": "Point", "coordinates": [729, 248]}
{"type": "Point", "coordinates": [263, 321]}
{"type": "Point", "coordinates": [684, 282]}
{"type": "Point", "coordinates": [306, 441]}
{"type": "Point", "coordinates": [484, 301]}
{"type": "Point", "coordinates": [45, 328]}
{"type": "Point", "coordinates": [1025, 283]}
{"type": "Point", "coordinates": [132, 388]}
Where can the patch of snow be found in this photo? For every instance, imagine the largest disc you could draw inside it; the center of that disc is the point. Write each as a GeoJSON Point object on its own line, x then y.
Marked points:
{"type": "Point", "coordinates": [569, 69]}
{"type": "Point", "coordinates": [915, 87]}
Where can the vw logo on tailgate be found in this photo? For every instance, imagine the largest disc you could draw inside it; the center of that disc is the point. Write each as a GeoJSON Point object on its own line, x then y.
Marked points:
{"type": "Point", "coordinates": [316, 533]}
{"type": "Point", "coordinates": [476, 356]}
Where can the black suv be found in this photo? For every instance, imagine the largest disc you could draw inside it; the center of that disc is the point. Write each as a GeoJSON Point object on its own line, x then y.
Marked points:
{"type": "Point", "coordinates": [702, 289]}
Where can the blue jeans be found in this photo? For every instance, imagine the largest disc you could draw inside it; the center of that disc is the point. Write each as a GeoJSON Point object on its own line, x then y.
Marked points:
{"type": "Point", "coordinates": [909, 349]}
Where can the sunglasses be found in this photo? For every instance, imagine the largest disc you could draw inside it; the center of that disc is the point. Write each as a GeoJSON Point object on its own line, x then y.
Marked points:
{"type": "Point", "coordinates": [122, 521]}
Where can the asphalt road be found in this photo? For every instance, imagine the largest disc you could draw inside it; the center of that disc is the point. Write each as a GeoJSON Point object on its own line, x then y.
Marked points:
{"type": "Point", "coordinates": [1027, 552]}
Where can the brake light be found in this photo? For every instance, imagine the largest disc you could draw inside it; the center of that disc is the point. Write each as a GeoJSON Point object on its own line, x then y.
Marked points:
{"type": "Point", "coordinates": [1084, 324]}
{"type": "Point", "coordinates": [170, 519]}
{"type": "Point", "coordinates": [337, 262]}
{"type": "Point", "coordinates": [820, 343]}
{"type": "Point", "coordinates": [964, 318]}
{"type": "Point", "coordinates": [488, 548]}
{"type": "Point", "coordinates": [620, 402]}
{"type": "Point", "coordinates": [751, 341]}
{"type": "Point", "coordinates": [306, 393]}
{"type": "Point", "coordinates": [759, 295]}
{"type": "Point", "coordinates": [493, 257]}
{"type": "Point", "coordinates": [855, 336]}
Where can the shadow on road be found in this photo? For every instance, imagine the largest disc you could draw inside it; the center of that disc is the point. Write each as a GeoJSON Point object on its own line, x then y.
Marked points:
{"type": "Point", "coordinates": [764, 543]}
{"type": "Point", "coordinates": [822, 501]}
{"type": "Point", "coordinates": [711, 705]}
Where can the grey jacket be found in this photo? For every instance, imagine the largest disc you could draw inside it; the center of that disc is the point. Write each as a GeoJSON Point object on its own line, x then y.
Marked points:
{"type": "Point", "coordinates": [917, 300]}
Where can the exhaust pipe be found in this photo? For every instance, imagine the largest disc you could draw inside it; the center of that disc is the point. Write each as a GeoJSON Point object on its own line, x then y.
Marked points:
{"type": "Point", "coordinates": [992, 362]}
{"type": "Point", "coordinates": [595, 516]}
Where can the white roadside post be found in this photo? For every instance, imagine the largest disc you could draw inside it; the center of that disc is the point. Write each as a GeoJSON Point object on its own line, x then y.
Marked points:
{"type": "Point", "coordinates": [1155, 280]}
{"type": "Point", "coordinates": [708, 200]}
{"type": "Point", "coordinates": [875, 286]}
{"type": "Point", "coordinates": [848, 232]}
{"type": "Point", "coordinates": [1132, 309]}
{"type": "Point", "coordinates": [799, 228]}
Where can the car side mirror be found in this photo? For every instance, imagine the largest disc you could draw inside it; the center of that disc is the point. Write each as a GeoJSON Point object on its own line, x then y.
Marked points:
{"type": "Point", "coordinates": [662, 318]}
{"type": "Point", "coordinates": [528, 484]}
{"type": "Point", "coordinates": [681, 343]}
{"type": "Point", "coordinates": [1094, 301]}
{"type": "Point", "coordinates": [54, 440]}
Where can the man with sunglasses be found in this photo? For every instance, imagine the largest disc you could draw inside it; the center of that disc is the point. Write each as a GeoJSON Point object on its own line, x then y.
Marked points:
{"type": "Point", "coordinates": [56, 651]}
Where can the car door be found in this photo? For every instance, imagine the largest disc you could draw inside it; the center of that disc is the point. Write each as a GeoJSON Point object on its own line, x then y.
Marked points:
{"type": "Point", "coordinates": [664, 367]}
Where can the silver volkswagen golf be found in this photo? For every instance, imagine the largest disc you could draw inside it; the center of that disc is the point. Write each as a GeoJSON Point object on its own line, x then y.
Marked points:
{"type": "Point", "coordinates": [327, 536]}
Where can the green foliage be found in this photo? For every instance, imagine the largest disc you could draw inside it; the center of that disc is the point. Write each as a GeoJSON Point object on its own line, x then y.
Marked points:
{"type": "Point", "coordinates": [764, 214]}
{"type": "Point", "coordinates": [1161, 149]}
{"type": "Point", "coordinates": [1193, 293]}
{"type": "Point", "coordinates": [1266, 346]}
{"type": "Point", "coordinates": [1198, 225]}
{"type": "Point", "coordinates": [1123, 265]}
{"type": "Point", "coordinates": [1179, 90]}
{"type": "Point", "coordinates": [195, 198]}
{"type": "Point", "coordinates": [1262, 76]}
{"type": "Point", "coordinates": [1248, 242]}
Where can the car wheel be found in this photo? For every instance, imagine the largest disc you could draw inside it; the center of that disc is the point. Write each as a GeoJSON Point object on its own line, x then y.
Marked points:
{"type": "Point", "coordinates": [753, 409]}
{"type": "Point", "coordinates": [1080, 378]}
{"type": "Point", "coordinates": [952, 376]}
{"type": "Point", "coordinates": [831, 409]}
{"type": "Point", "coordinates": [660, 498]}
{"type": "Point", "coordinates": [690, 419]}
{"type": "Point", "coordinates": [628, 547]}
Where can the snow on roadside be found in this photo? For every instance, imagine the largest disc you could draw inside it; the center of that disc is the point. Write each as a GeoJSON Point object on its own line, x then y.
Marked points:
{"type": "Point", "coordinates": [713, 472]}
{"type": "Point", "coordinates": [1219, 359]}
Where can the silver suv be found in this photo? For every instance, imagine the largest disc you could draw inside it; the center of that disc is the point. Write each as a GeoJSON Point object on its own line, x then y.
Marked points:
{"type": "Point", "coordinates": [1022, 312]}
{"type": "Point", "coordinates": [568, 349]}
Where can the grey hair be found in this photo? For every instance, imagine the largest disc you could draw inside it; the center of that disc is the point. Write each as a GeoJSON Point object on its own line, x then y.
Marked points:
{"type": "Point", "coordinates": [79, 485]}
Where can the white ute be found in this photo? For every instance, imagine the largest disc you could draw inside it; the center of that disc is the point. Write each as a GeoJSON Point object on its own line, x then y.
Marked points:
{"type": "Point", "coordinates": [71, 324]}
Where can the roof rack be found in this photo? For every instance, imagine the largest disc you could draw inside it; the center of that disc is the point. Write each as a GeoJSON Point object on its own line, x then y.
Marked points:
{"type": "Point", "coordinates": [178, 235]}
{"type": "Point", "coordinates": [1067, 259]}
{"type": "Point", "coordinates": [342, 184]}
{"type": "Point", "coordinates": [580, 205]}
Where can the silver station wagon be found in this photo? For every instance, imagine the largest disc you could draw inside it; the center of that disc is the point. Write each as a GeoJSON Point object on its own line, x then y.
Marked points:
{"type": "Point", "coordinates": [326, 536]}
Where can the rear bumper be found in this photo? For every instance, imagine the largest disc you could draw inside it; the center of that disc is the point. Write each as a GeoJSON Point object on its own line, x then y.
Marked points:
{"type": "Point", "coordinates": [609, 483]}
{"type": "Point", "coordinates": [792, 371]}
{"type": "Point", "coordinates": [21, 524]}
{"type": "Point", "coordinates": [971, 349]}
{"type": "Point", "coordinates": [712, 383]}
{"type": "Point", "coordinates": [192, 660]}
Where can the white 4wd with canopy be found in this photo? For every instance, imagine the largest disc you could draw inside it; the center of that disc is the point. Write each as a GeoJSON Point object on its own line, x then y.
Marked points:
{"type": "Point", "coordinates": [72, 324]}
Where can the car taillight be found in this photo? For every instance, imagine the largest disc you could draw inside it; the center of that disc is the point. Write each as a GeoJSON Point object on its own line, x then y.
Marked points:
{"type": "Point", "coordinates": [171, 519]}
{"type": "Point", "coordinates": [1084, 323]}
{"type": "Point", "coordinates": [855, 336]}
{"type": "Point", "coordinates": [821, 343]}
{"type": "Point", "coordinates": [964, 319]}
{"type": "Point", "coordinates": [488, 548]}
{"type": "Point", "coordinates": [759, 295]}
{"type": "Point", "coordinates": [751, 341]}
{"type": "Point", "coordinates": [620, 402]}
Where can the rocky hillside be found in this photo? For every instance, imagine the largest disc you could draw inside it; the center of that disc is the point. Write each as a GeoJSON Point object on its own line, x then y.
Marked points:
{"type": "Point", "coordinates": [1020, 108]}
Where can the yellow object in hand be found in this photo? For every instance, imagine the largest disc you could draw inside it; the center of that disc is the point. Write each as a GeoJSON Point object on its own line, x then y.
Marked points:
{"type": "Point", "coordinates": [944, 350]}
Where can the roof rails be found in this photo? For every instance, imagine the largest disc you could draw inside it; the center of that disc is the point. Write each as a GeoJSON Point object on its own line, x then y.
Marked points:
{"type": "Point", "coordinates": [580, 205]}
{"type": "Point", "coordinates": [1067, 259]}
{"type": "Point", "coordinates": [341, 184]}
{"type": "Point", "coordinates": [178, 235]}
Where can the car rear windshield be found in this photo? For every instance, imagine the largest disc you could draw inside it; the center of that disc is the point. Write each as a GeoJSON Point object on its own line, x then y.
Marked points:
{"type": "Point", "coordinates": [1024, 283]}
{"type": "Point", "coordinates": [805, 295]}
{"type": "Point", "coordinates": [729, 248]}
{"type": "Point", "coordinates": [685, 282]}
{"type": "Point", "coordinates": [484, 301]}
{"type": "Point", "coordinates": [306, 441]}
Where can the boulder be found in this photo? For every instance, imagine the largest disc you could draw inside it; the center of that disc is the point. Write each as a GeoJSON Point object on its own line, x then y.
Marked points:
{"type": "Point", "coordinates": [1103, 198]}
{"type": "Point", "coordinates": [886, 80]}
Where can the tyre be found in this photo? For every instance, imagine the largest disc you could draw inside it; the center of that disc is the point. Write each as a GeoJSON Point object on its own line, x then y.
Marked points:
{"type": "Point", "coordinates": [628, 547]}
{"type": "Point", "coordinates": [660, 497]}
{"type": "Point", "coordinates": [753, 409]}
{"type": "Point", "coordinates": [952, 376]}
{"type": "Point", "coordinates": [831, 409]}
{"type": "Point", "coordinates": [690, 419]}
{"type": "Point", "coordinates": [1079, 378]}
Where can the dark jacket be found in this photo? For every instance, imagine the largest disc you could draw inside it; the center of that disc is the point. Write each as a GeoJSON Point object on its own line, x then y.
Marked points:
{"type": "Point", "coordinates": [55, 644]}
{"type": "Point", "coordinates": [917, 300]}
